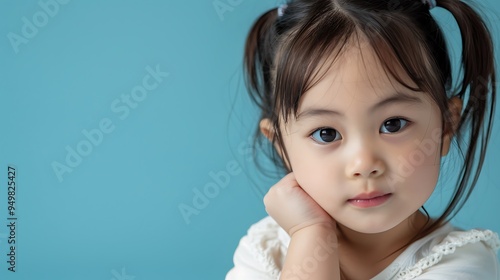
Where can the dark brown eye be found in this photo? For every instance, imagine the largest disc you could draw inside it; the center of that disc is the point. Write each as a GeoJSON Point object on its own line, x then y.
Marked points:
{"type": "Point", "coordinates": [326, 135]}
{"type": "Point", "coordinates": [393, 125]}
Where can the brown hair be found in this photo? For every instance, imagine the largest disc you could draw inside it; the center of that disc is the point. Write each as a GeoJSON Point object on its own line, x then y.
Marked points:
{"type": "Point", "coordinates": [283, 54]}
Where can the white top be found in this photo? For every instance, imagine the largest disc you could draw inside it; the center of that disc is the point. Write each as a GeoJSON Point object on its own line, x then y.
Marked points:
{"type": "Point", "coordinates": [445, 254]}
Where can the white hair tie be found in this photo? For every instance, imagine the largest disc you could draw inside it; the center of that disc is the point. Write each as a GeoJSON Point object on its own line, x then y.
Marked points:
{"type": "Point", "coordinates": [430, 3]}
{"type": "Point", "coordinates": [281, 9]}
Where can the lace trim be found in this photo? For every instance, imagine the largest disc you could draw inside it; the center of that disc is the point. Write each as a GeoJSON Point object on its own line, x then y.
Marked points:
{"type": "Point", "coordinates": [266, 249]}
{"type": "Point", "coordinates": [448, 246]}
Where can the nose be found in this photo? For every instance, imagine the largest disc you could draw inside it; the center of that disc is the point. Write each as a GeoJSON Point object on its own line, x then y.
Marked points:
{"type": "Point", "coordinates": [365, 163]}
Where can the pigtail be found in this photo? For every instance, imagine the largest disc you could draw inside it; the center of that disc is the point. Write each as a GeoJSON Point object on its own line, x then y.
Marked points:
{"type": "Point", "coordinates": [258, 60]}
{"type": "Point", "coordinates": [479, 79]}
{"type": "Point", "coordinates": [260, 49]}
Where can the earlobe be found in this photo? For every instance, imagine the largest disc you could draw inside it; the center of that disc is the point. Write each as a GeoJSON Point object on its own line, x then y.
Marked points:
{"type": "Point", "coordinates": [266, 128]}
{"type": "Point", "coordinates": [455, 111]}
{"type": "Point", "coordinates": [445, 147]}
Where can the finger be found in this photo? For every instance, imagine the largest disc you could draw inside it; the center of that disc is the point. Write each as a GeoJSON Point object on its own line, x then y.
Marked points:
{"type": "Point", "coordinates": [284, 183]}
{"type": "Point", "coordinates": [288, 180]}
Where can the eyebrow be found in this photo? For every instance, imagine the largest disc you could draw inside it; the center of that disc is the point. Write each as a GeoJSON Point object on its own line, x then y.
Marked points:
{"type": "Point", "coordinates": [397, 98]}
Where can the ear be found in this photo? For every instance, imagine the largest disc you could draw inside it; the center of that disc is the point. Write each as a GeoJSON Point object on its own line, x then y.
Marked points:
{"type": "Point", "coordinates": [455, 111]}
{"type": "Point", "coordinates": [266, 128]}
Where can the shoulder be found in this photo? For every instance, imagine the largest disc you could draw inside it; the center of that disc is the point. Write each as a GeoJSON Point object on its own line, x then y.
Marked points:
{"type": "Point", "coordinates": [456, 254]}
{"type": "Point", "coordinates": [260, 253]}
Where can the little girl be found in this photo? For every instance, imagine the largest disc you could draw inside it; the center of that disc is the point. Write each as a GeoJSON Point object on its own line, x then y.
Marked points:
{"type": "Point", "coordinates": [359, 106]}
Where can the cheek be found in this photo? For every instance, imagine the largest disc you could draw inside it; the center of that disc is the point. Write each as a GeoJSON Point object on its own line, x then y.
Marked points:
{"type": "Point", "coordinates": [301, 159]}
{"type": "Point", "coordinates": [307, 169]}
{"type": "Point", "coordinates": [418, 164]}
{"type": "Point", "coordinates": [315, 172]}
{"type": "Point", "coordinates": [415, 189]}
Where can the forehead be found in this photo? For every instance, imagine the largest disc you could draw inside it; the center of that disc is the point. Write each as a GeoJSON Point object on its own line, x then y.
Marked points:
{"type": "Point", "coordinates": [353, 75]}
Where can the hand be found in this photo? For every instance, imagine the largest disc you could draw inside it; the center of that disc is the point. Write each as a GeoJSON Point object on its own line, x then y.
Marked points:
{"type": "Point", "coordinates": [292, 208]}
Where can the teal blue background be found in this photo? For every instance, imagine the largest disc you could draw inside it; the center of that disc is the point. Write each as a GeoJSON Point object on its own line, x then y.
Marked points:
{"type": "Point", "coordinates": [117, 213]}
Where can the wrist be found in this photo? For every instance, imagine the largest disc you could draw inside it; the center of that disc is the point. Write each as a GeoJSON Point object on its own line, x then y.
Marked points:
{"type": "Point", "coordinates": [319, 226]}
{"type": "Point", "coordinates": [316, 244]}
{"type": "Point", "coordinates": [316, 230]}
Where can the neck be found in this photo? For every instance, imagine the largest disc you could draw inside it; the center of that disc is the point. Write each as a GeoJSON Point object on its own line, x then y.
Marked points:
{"type": "Point", "coordinates": [374, 252]}
{"type": "Point", "coordinates": [385, 243]}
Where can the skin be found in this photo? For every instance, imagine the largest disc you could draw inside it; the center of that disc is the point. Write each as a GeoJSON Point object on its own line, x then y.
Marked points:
{"type": "Point", "coordinates": [386, 139]}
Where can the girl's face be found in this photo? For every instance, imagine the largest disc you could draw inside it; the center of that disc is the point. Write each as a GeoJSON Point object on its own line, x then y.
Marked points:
{"type": "Point", "coordinates": [364, 147]}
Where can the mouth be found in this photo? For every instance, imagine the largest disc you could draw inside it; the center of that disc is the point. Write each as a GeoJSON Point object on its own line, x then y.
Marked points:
{"type": "Point", "coordinates": [369, 200]}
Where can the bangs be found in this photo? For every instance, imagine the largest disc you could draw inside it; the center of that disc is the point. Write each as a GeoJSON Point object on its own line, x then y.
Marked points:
{"type": "Point", "coordinates": [307, 53]}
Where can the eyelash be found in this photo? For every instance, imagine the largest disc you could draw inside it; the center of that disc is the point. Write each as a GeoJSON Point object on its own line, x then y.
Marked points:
{"type": "Point", "coordinates": [404, 127]}
{"type": "Point", "coordinates": [311, 135]}
{"type": "Point", "coordinates": [408, 123]}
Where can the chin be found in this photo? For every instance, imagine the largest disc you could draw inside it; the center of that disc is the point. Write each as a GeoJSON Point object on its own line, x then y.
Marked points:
{"type": "Point", "coordinates": [372, 226]}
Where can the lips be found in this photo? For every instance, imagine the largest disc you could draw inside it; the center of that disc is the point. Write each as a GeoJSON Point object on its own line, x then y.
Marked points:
{"type": "Point", "coordinates": [365, 196]}
{"type": "Point", "coordinates": [372, 199]}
